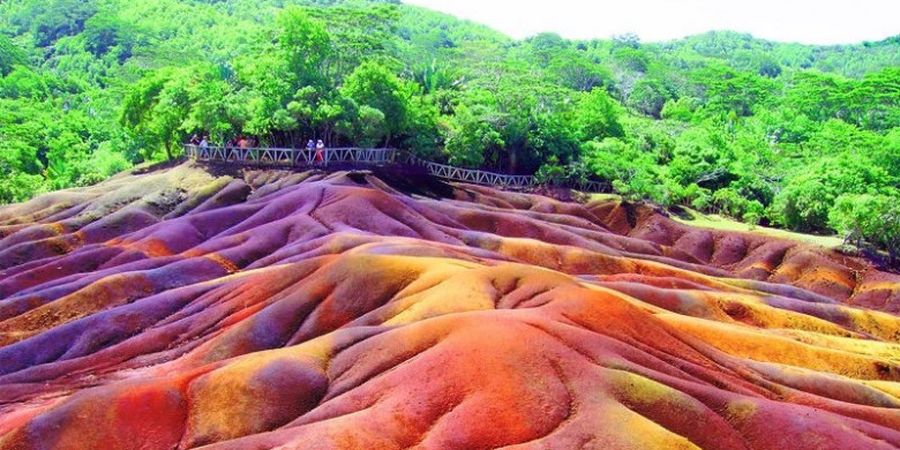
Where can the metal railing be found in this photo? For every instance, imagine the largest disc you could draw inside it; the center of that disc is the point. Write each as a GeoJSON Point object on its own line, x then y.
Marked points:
{"type": "Point", "coordinates": [299, 157]}
{"type": "Point", "coordinates": [291, 156]}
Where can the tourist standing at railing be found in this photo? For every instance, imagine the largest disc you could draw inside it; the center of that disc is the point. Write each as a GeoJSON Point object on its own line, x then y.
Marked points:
{"type": "Point", "coordinates": [320, 151]}
{"type": "Point", "coordinates": [195, 140]}
{"type": "Point", "coordinates": [204, 143]}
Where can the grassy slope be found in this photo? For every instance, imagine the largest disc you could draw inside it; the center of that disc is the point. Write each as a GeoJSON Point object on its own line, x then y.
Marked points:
{"type": "Point", "coordinates": [718, 222]}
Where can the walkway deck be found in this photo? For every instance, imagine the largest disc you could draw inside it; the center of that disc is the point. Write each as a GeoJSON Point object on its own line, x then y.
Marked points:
{"type": "Point", "coordinates": [293, 157]}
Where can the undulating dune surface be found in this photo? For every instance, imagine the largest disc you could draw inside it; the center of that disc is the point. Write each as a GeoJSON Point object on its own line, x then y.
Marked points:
{"type": "Point", "coordinates": [188, 307]}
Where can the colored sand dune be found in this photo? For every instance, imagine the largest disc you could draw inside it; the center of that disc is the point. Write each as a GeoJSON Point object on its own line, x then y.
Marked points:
{"type": "Point", "coordinates": [180, 309]}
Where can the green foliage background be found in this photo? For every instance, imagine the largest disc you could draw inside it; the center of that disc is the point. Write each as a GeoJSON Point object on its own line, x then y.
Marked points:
{"type": "Point", "coordinates": [805, 137]}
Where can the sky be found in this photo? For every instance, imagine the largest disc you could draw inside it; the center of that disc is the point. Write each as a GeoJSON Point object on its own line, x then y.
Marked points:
{"type": "Point", "coordinates": [805, 21]}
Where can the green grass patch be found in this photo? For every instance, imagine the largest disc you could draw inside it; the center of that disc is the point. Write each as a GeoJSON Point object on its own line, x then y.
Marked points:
{"type": "Point", "coordinates": [717, 222]}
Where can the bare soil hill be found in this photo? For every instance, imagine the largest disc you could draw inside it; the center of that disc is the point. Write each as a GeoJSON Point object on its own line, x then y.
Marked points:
{"type": "Point", "coordinates": [186, 307]}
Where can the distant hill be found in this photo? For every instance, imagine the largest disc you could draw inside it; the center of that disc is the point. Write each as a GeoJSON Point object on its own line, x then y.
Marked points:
{"type": "Point", "coordinates": [743, 51]}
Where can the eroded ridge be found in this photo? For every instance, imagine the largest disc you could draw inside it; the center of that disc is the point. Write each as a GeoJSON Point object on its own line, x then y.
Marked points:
{"type": "Point", "coordinates": [180, 309]}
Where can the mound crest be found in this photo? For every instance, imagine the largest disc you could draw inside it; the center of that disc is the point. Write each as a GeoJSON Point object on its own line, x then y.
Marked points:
{"type": "Point", "coordinates": [181, 309]}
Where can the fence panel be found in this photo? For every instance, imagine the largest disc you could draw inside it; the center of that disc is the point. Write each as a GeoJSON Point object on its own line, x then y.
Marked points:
{"type": "Point", "coordinates": [364, 156]}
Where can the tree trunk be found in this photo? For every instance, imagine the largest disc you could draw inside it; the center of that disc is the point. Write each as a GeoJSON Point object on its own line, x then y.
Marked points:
{"type": "Point", "coordinates": [168, 146]}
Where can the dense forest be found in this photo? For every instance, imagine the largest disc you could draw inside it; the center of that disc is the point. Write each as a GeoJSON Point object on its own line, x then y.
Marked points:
{"type": "Point", "coordinates": [802, 137]}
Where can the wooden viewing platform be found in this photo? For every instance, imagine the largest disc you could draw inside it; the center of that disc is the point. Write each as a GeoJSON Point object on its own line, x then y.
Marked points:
{"type": "Point", "coordinates": [299, 157]}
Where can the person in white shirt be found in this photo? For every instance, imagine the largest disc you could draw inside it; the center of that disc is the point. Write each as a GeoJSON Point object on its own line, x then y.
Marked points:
{"type": "Point", "coordinates": [320, 151]}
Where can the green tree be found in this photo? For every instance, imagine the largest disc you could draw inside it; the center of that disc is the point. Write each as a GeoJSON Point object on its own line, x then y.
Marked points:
{"type": "Point", "coordinates": [474, 133]}
{"type": "Point", "coordinates": [817, 95]}
{"type": "Point", "coordinates": [575, 71]}
{"type": "Point", "coordinates": [724, 90]}
{"type": "Point", "coordinates": [633, 173]}
{"type": "Point", "coordinates": [375, 86]}
{"type": "Point", "coordinates": [648, 97]}
{"type": "Point", "coordinates": [369, 126]}
{"type": "Point", "coordinates": [869, 218]}
{"type": "Point", "coordinates": [597, 116]}
{"type": "Point", "coordinates": [10, 56]}
{"type": "Point", "coordinates": [552, 135]}
{"type": "Point", "coordinates": [211, 99]}
{"type": "Point", "coordinates": [105, 32]}
{"type": "Point", "coordinates": [808, 196]}
{"type": "Point", "coordinates": [265, 86]}
{"type": "Point", "coordinates": [50, 20]}
{"type": "Point", "coordinates": [681, 109]}
{"type": "Point", "coordinates": [156, 109]}
{"type": "Point", "coordinates": [305, 42]}
{"type": "Point", "coordinates": [23, 82]}
{"type": "Point", "coordinates": [701, 156]}
{"type": "Point", "coordinates": [874, 103]}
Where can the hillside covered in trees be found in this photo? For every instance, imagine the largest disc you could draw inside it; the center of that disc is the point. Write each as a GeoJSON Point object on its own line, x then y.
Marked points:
{"type": "Point", "coordinates": [799, 136]}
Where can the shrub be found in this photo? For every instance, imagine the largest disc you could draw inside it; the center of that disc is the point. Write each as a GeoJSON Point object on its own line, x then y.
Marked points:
{"type": "Point", "coordinates": [869, 218]}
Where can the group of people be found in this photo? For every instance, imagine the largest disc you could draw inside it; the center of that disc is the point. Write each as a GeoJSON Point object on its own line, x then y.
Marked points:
{"type": "Point", "coordinates": [238, 141]}
{"type": "Point", "coordinates": [199, 141]}
{"type": "Point", "coordinates": [319, 147]}
{"type": "Point", "coordinates": [241, 141]}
